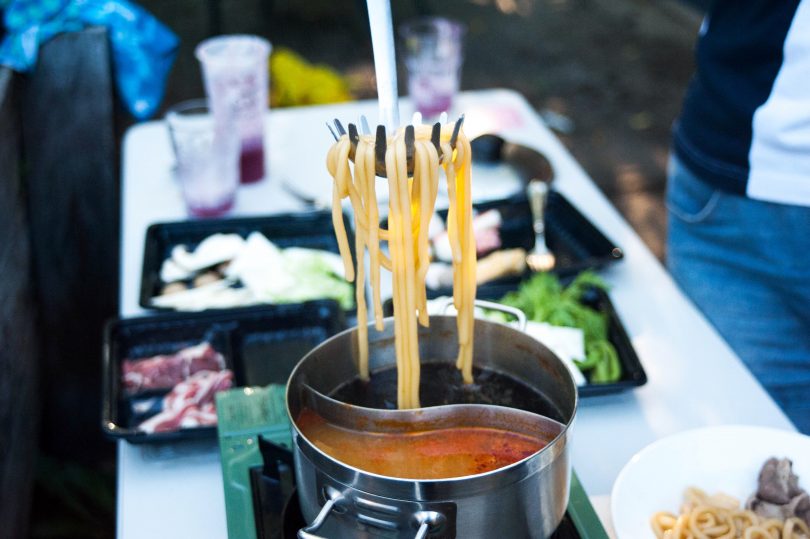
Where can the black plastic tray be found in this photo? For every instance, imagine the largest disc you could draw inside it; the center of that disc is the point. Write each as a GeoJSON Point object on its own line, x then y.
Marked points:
{"type": "Point", "coordinates": [260, 344]}
{"type": "Point", "coordinates": [576, 243]}
{"type": "Point", "coordinates": [308, 229]}
{"type": "Point", "coordinates": [633, 374]}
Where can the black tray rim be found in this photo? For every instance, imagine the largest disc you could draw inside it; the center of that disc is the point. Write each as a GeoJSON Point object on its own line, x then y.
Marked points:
{"type": "Point", "coordinates": [631, 364]}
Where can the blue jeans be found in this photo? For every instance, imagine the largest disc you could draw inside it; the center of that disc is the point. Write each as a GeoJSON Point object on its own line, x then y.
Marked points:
{"type": "Point", "coordinates": [746, 265]}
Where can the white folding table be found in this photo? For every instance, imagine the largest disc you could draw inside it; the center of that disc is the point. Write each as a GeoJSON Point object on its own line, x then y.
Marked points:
{"type": "Point", "coordinates": [695, 380]}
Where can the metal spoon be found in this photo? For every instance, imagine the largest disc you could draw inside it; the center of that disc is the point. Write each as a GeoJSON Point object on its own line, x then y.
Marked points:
{"type": "Point", "coordinates": [540, 259]}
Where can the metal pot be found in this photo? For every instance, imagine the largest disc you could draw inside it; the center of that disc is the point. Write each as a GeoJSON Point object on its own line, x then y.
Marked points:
{"type": "Point", "coordinates": [525, 499]}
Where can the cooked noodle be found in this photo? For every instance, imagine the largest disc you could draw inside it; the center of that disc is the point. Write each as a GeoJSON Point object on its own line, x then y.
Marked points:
{"type": "Point", "coordinates": [721, 516]}
{"type": "Point", "coordinates": [411, 205]}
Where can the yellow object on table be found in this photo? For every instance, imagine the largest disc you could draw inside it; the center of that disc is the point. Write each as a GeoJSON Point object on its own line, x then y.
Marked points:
{"type": "Point", "coordinates": [294, 82]}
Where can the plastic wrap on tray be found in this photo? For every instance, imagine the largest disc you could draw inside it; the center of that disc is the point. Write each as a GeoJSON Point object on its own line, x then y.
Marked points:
{"type": "Point", "coordinates": [237, 262]}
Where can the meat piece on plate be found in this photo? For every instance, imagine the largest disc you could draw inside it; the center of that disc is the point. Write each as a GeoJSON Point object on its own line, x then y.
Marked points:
{"type": "Point", "coordinates": [777, 482]}
{"type": "Point", "coordinates": [166, 371]}
{"type": "Point", "coordinates": [190, 403]}
{"type": "Point", "coordinates": [778, 492]}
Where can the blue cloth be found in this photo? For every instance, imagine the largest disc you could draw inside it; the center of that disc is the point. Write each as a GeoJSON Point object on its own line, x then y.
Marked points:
{"type": "Point", "coordinates": [143, 48]}
{"type": "Point", "coordinates": [745, 264]}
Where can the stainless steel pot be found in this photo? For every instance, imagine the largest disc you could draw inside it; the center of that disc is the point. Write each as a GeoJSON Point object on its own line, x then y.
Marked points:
{"type": "Point", "coordinates": [525, 499]}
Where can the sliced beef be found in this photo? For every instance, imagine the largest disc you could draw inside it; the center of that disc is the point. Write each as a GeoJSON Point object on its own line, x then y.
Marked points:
{"type": "Point", "coordinates": [166, 371]}
{"type": "Point", "coordinates": [190, 403]}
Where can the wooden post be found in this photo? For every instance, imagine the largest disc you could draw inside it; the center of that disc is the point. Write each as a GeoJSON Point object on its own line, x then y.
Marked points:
{"type": "Point", "coordinates": [18, 337]}
{"type": "Point", "coordinates": [73, 205]}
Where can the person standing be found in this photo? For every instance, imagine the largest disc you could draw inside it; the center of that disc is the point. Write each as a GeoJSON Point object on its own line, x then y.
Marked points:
{"type": "Point", "coordinates": [738, 195]}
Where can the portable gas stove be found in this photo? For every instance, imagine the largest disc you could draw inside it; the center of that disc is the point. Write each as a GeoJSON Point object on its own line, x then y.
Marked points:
{"type": "Point", "coordinates": [259, 482]}
{"type": "Point", "coordinates": [278, 516]}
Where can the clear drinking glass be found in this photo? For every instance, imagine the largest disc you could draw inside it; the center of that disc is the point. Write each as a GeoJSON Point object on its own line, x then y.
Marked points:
{"type": "Point", "coordinates": [207, 155]}
{"type": "Point", "coordinates": [433, 51]}
{"type": "Point", "coordinates": [235, 72]}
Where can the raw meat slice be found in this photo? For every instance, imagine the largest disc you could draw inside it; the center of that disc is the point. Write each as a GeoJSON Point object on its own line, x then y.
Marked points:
{"type": "Point", "coordinates": [190, 403]}
{"type": "Point", "coordinates": [166, 371]}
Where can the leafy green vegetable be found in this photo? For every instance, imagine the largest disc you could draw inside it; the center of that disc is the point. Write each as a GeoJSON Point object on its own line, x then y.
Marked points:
{"type": "Point", "coordinates": [605, 361]}
{"type": "Point", "coordinates": [313, 276]}
{"type": "Point", "coordinates": [544, 299]}
{"type": "Point", "coordinates": [319, 286]}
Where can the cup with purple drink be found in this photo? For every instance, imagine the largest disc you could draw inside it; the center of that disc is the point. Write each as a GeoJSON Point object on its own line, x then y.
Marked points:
{"type": "Point", "coordinates": [433, 51]}
{"type": "Point", "coordinates": [207, 158]}
{"type": "Point", "coordinates": [235, 72]}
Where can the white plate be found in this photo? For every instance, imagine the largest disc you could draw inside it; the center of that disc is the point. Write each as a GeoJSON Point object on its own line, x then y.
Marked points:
{"type": "Point", "coordinates": [724, 458]}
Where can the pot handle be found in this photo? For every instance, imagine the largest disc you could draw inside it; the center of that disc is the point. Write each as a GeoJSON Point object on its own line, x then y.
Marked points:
{"type": "Point", "coordinates": [425, 519]}
{"type": "Point", "coordinates": [308, 532]}
{"type": "Point", "coordinates": [491, 305]}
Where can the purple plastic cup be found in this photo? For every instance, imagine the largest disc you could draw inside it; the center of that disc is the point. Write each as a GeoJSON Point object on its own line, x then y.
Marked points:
{"type": "Point", "coordinates": [207, 155]}
{"type": "Point", "coordinates": [433, 51]}
{"type": "Point", "coordinates": [235, 71]}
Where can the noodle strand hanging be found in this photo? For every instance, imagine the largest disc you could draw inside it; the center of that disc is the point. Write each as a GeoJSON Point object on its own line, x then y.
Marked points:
{"type": "Point", "coordinates": [411, 204]}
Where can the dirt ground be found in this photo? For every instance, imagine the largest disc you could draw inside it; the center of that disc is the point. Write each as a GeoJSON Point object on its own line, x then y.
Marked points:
{"type": "Point", "coordinates": [617, 69]}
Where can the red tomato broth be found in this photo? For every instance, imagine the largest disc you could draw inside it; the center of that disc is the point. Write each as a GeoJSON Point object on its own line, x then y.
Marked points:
{"type": "Point", "coordinates": [430, 454]}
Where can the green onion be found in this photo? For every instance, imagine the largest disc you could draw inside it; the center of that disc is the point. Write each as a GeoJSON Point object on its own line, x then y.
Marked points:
{"type": "Point", "coordinates": [544, 299]}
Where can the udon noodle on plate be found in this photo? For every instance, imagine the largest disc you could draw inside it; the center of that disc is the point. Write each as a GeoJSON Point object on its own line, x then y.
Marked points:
{"type": "Point", "coordinates": [721, 516]}
{"type": "Point", "coordinates": [411, 207]}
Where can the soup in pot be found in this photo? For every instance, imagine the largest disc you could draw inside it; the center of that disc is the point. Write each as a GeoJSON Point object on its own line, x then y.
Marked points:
{"type": "Point", "coordinates": [430, 454]}
{"type": "Point", "coordinates": [442, 384]}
